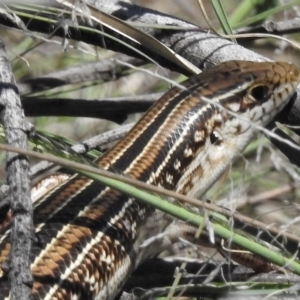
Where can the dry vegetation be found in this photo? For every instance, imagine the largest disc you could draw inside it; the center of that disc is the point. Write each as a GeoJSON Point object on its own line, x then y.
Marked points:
{"type": "Point", "coordinates": [262, 184]}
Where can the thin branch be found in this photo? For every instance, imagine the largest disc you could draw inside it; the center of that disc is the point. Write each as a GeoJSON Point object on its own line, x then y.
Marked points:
{"type": "Point", "coordinates": [106, 70]}
{"type": "Point", "coordinates": [269, 233]}
{"type": "Point", "coordinates": [112, 109]}
{"type": "Point", "coordinates": [272, 27]}
{"type": "Point", "coordinates": [201, 47]}
{"type": "Point", "coordinates": [102, 139]}
{"type": "Point", "coordinates": [293, 154]}
{"type": "Point", "coordinates": [43, 167]}
{"type": "Point", "coordinates": [16, 128]}
{"type": "Point", "coordinates": [81, 148]}
{"type": "Point", "coordinates": [156, 272]}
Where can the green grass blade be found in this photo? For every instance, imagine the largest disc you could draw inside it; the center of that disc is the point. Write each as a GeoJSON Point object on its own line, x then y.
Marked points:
{"type": "Point", "coordinates": [239, 17]}
{"type": "Point", "coordinates": [188, 216]}
{"type": "Point", "coordinates": [221, 15]}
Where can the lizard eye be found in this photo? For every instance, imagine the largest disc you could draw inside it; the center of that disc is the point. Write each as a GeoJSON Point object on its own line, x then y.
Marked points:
{"type": "Point", "coordinates": [259, 93]}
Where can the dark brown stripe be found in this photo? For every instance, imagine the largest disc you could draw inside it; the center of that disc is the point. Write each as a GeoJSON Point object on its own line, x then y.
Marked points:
{"type": "Point", "coordinates": [81, 228]}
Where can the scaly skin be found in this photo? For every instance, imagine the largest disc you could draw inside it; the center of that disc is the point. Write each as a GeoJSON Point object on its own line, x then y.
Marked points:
{"type": "Point", "coordinates": [88, 236]}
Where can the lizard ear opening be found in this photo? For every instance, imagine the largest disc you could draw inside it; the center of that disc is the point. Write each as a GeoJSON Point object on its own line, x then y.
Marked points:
{"type": "Point", "coordinates": [215, 138]}
{"type": "Point", "coordinates": [259, 93]}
